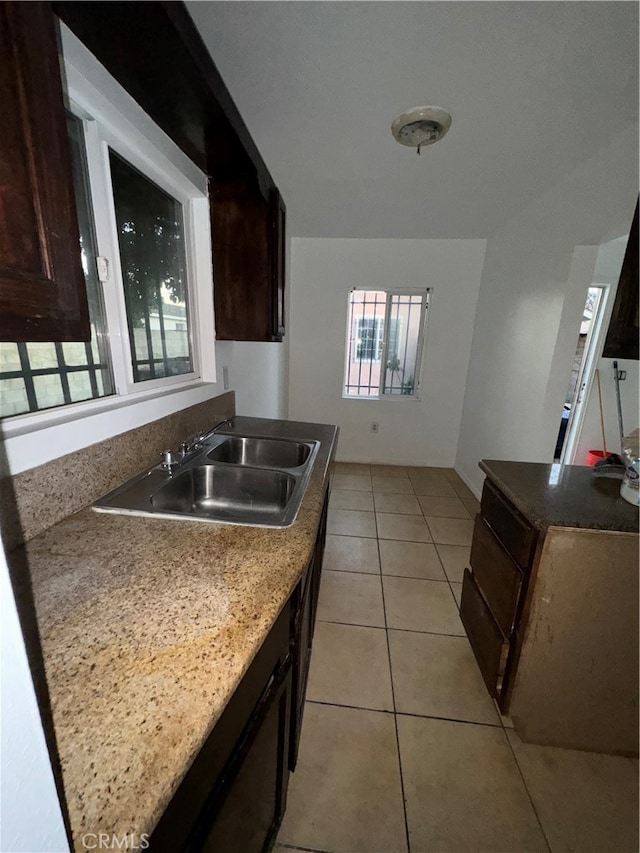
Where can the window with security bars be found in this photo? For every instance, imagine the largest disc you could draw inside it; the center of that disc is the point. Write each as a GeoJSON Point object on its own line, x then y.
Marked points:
{"type": "Point", "coordinates": [385, 332]}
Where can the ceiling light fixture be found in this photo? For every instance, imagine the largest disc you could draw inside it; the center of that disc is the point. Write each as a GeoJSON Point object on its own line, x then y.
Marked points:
{"type": "Point", "coordinates": [421, 126]}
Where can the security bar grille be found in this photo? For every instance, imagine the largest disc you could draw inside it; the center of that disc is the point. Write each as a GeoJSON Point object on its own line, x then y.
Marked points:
{"type": "Point", "coordinates": [384, 342]}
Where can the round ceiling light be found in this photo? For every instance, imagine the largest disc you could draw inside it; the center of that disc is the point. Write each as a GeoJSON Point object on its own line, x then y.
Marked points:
{"type": "Point", "coordinates": [421, 126]}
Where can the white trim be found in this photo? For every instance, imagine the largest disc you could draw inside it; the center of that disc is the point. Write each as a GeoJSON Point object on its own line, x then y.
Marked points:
{"type": "Point", "coordinates": [426, 294]}
{"type": "Point", "coordinates": [28, 445]}
{"type": "Point", "coordinates": [91, 86]}
{"type": "Point", "coordinates": [119, 123]}
{"type": "Point", "coordinates": [202, 305]}
{"type": "Point", "coordinates": [115, 292]}
{"type": "Point", "coordinates": [586, 375]}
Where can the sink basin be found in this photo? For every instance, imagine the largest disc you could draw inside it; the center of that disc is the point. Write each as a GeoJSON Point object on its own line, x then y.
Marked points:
{"type": "Point", "coordinates": [267, 452]}
{"type": "Point", "coordinates": [218, 491]}
{"type": "Point", "coordinates": [230, 478]}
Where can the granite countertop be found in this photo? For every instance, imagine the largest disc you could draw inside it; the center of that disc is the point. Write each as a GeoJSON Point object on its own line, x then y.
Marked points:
{"type": "Point", "coordinates": [147, 627]}
{"type": "Point", "coordinates": [562, 495]}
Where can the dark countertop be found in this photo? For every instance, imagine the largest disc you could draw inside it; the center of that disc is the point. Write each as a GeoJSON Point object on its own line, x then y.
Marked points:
{"type": "Point", "coordinates": [562, 495]}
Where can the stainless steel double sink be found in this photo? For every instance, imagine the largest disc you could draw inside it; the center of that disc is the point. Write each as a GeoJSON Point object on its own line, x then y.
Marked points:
{"type": "Point", "coordinates": [239, 479]}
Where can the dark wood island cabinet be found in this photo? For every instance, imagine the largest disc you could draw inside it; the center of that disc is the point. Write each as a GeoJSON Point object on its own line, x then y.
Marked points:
{"type": "Point", "coordinates": [549, 604]}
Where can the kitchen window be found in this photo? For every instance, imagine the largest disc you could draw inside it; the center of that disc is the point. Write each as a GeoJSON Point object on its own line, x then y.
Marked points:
{"type": "Point", "coordinates": [143, 217]}
{"type": "Point", "coordinates": [385, 335]}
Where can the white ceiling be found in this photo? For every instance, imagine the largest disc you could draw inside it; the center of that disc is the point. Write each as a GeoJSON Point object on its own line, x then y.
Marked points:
{"type": "Point", "coordinates": [534, 88]}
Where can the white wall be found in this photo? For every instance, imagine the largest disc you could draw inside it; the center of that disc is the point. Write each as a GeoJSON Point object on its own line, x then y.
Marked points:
{"type": "Point", "coordinates": [323, 271]}
{"type": "Point", "coordinates": [524, 339]}
{"type": "Point", "coordinates": [258, 373]}
{"type": "Point", "coordinates": [30, 816]}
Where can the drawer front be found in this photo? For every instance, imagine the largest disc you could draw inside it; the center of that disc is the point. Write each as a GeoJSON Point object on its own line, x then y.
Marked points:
{"type": "Point", "coordinates": [487, 641]}
{"type": "Point", "coordinates": [514, 531]}
{"type": "Point", "coordinates": [496, 574]}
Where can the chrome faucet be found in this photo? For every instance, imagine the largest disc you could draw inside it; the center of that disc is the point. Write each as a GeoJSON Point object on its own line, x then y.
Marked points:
{"type": "Point", "coordinates": [199, 439]}
{"type": "Point", "coordinates": [171, 460]}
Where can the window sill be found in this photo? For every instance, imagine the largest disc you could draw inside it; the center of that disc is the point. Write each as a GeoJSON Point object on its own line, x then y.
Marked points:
{"type": "Point", "coordinates": [32, 440]}
{"type": "Point", "coordinates": [35, 421]}
{"type": "Point", "coordinates": [387, 398]}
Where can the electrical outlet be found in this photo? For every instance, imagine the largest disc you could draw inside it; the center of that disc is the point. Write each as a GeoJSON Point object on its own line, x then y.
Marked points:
{"type": "Point", "coordinates": [622, 374]}
{"type": "Point", "coordinates": [225, 378]}
{"type": "Point", "coordinates": [374, 426]}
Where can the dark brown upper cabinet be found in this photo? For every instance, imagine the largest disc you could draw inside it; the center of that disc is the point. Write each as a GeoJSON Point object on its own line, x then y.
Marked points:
{"type": "Point", "coordinates": [42, 288]}
{"type": "Point", "coordinates": [155, 52]}
{"type": "Point", "coordinates": [623, 334]}
{"type": "Point", "coordinates": [247, 232]}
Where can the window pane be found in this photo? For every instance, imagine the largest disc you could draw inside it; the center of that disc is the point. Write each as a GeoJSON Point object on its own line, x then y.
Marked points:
{"type": "Point", "coordinates": [405, 324]}
{"type": "Point", "coordinates": [151, 240]}
{"type": "Point", "coordinates": [364, 345]}
{"type": "Point", "coordinates": [48, 390]}
{"type": "Point", "coordinates": [37, 376]}
{"type": "Point", "coordinates": [13, 397]}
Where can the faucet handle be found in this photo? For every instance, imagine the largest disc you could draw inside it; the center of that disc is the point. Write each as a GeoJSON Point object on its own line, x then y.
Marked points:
{"type": "Point", "coordinates": [168, 460]}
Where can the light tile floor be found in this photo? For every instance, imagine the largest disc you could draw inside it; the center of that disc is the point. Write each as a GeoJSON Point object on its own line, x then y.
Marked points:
{"type": "Point", "coordinates": [402, 749]}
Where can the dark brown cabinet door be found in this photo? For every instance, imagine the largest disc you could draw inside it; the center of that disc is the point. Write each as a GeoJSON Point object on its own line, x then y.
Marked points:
{"type": "Point", "coordinates": [248, 239]}
{"type": "Point", "coordinates": [251, 807]}
{"type": "Point", "coordinates": [301, 662]}
{"type": "Point", "coordinates": [497, 576]}
{"type": "Point", "coordinates": [303, 636]}
{"type": "Point", "coordinates": [42, 287]}
{"type": "Point", "coordinates": [487, 641]}
{"type": "Point", "coordinates": [622, 336]}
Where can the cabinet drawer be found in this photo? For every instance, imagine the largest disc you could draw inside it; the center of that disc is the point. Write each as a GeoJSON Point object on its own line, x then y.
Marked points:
{"type": "Point", "coordinates": [514, 531]}
{"type": "Point", "coordinates": [496, 574]}
{"type": "Point", "coordinates": [487, 641]}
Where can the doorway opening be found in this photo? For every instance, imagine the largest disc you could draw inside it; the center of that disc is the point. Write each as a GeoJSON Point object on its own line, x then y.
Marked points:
{"type": "Point", "coordinates": [581, 373]}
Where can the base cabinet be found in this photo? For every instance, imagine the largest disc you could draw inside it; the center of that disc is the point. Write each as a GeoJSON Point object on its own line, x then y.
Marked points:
{"type": "Point", "coordinates": [247, 810]}
{"type": "Point", "coordinates": [550, 606]}
{"type": "Point", "coordinates": [233, 798]}
{"type": "Point", "coordinates": [493, 590]}
{"type": "Point", "coordinates": [303, 629]}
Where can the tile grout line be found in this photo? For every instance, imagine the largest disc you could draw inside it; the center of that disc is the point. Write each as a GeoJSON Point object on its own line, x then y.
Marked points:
{"type": "Point", "coordinates": [447, 577]}
{"type": "Point", "coordinates": [524, 782]}
{"type": "Point", "coordinates": [406, 714]}
{"type": "Point", "coordinates": [393, 700]}
{"type": "Point", "coordinates": [382, 627]}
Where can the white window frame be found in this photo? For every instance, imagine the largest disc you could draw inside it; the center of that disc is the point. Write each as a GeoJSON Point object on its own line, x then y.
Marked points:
{"type": "Point", "coordinates": [427, 305]}
{"type": "Point", "coordinates": [111, 118]}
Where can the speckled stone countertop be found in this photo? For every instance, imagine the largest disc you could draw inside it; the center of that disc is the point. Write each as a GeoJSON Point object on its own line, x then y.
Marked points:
{"type": "Point", "coordinates": [563, 495]}
{"type": "Point", "coordinates": [147, 627]}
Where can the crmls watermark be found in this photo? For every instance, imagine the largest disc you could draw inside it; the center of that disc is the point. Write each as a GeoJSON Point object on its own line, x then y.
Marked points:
{"type": "Point", "coordinates": [115, 841]}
